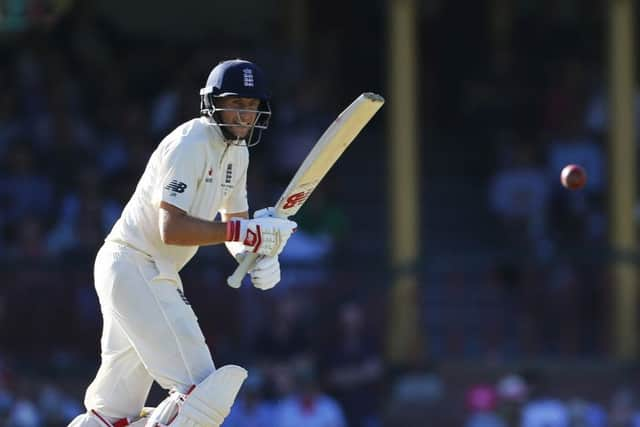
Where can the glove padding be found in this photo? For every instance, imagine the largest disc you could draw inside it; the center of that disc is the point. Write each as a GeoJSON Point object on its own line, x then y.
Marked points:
{"type": "Point", "coordinates": [265, 274]}
{"type": "Point", "coordinates": [264, 236]}
{"type": "Point", "coordinates": [269, 212]}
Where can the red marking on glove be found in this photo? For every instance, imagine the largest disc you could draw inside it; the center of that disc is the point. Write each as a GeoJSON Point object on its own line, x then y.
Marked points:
{"type": "Point", "coordinates": [230, 231]}
{"type": "Point", "coordinates": [250, 239]}
{"type": "Point", "coordinates": [258, 243]}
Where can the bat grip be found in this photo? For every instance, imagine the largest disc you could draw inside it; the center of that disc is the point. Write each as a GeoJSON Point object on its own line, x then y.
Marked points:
{"type": "Point", "coordinates": [235, 280]}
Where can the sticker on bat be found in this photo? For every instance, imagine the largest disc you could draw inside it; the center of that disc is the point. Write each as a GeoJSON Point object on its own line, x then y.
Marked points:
{"type": "Point", "coordinates": [295, 199]}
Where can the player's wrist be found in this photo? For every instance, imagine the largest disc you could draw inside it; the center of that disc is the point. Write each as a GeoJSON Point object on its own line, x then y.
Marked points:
{"type": "Point", "coordinates": [234, 227]}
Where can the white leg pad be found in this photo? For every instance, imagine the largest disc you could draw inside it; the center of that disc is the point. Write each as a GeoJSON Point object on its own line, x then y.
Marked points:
{"type": "Point", "coordinates": [166, 411]}
{"type": "Point", "coordinates": [207, 405]}
{"type": "Point", "coordinates": [142, 422]}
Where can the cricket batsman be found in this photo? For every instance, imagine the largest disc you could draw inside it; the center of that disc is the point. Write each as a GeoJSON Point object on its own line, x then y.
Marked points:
{"type": "Point", "coordinates": [150, 331]}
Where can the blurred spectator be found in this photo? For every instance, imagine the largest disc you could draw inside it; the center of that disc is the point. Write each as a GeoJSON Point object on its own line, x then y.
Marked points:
{"type": "Point", "coordinates": [6, 394]}
{"type": "Point", "coordinates": [251, 409]}
{"type": "Point", "coordinates": [481, 402]}
{"type": "Point", "coordinates": [320, 235]}
{"type": "Point", "coordinates": [512, 387]}
{"type": "Point", "coordinates": [24, 187]}
{"type": "Point", "coordinates": [308, 406]}
{"type": "Point", "coordinates": [299, 124]}
{"type": "Point", "coordinates": [354, 368]}
{"type": "Point", "coordinates": [172, 104]}
{"type": "Point", "coordinates": [623, 410]}
{"type": "Point", "coordinates": [55, 407]}
{"type": "Point", "coordinates": [11, 121]}
{"type": "Point", "coordinates": [322, 225]}
{"type": "Point", "coordinates": [416, 393]}
{"type": "Point", "coordinates": [596, 117]}
{"type": "Point", "coordinates": [63, 155]}
{"type": "Point", "coordinates": [543, 409]}
{"type": "Point", "coordinates": [86, 216]}
{"type": "Point", "coordinates": [27, 240]}
{"type": "Point", "coordinates": [586, 414]}
{"type": "Point", "coordinates": [566, 98]}
{"type": "Point", "coordinates": [512, 394]}
{"type": "Point", "coordinates": [110, 143]}
{"type": "Point", "coordinates": [519, 195]}
{"type": "Point", "coordinates": [284, 337]}
{"type": "Point", "coordinates": [417, 385]}
{"type": "Point", "coordinates": [24, 413]}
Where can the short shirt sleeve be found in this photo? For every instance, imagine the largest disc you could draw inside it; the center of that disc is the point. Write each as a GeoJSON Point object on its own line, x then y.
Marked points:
{"type": "Point", "coordinates": [180, 167]}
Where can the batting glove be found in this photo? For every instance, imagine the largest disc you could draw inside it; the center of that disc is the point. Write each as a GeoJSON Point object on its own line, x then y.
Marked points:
{"type": "Point", "coordinates": [265, 213]}
{"type": "Point", "coordinates": [266, 272]}
{"type": "Point", "coordinates": [264, 236]}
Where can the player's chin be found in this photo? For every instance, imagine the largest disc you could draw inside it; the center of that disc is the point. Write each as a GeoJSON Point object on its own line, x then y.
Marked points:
{"type": "Point", "coordinates": [240, 133]}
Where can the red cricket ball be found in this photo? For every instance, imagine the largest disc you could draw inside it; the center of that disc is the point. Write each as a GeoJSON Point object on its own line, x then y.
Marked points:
{"type": "Point", "coordinates": [573, 177]}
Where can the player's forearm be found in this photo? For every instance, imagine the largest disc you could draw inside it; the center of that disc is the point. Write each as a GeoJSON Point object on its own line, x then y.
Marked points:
{"type": "Point", "coordinates": [179, 228]}
{"type": "Point", "coordinates": [184, 230]}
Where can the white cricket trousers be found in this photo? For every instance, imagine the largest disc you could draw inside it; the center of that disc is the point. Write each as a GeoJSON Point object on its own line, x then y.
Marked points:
{"type": "Point", "coordinates": [149, 333]}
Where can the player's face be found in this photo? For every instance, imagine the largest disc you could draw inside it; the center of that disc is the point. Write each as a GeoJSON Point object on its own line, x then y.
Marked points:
{"type": "Point", "coordinates": [245, 119]}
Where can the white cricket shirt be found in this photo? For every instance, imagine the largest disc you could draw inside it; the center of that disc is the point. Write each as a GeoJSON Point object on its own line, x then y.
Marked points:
{"type": "Point", "coordinates": [193, 169]}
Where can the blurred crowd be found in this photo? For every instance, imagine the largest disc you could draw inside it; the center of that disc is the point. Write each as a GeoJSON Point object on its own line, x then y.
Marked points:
{"type": "Point", "coordinates": [556, 239]}
{"type": "Point", "coordinates": [521, 262]}
{"type": "Point", "coordinates": [83, 106]}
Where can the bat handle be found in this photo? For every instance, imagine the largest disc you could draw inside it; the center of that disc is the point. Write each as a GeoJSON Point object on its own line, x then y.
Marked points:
{"type": "Point", "coordinates": [235, 280]}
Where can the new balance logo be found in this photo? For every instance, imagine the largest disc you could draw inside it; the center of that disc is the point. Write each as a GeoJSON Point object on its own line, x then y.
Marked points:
{"type": "Point", "coordinates": [176, 186]}
{"type": "Point", "coordinates": [186, 301]}
{"type": "Point", "coordinates": [248, 77]}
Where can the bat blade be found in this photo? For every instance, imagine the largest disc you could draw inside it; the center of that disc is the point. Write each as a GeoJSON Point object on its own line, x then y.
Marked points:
{"type": "Point", "coordinates": [327, 150]}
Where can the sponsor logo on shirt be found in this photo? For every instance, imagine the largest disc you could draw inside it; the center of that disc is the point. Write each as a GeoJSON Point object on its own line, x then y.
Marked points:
{"type": "Point", "coordinates": [227, 186]}
{"type": "Point", "coordinates": [229, 174]}
{"type": "Point", "coordinates": [176, 187]}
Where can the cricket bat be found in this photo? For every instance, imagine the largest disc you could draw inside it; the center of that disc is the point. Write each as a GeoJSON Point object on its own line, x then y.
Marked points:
{"type": "Point", "coordinates": [333, 142]}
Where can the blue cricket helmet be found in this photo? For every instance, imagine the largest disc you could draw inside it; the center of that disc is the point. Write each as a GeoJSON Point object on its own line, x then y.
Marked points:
{"type": "Point", "coordinates": [237, 77]}
{"type": "Point", "coordinates": [241, 78]}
